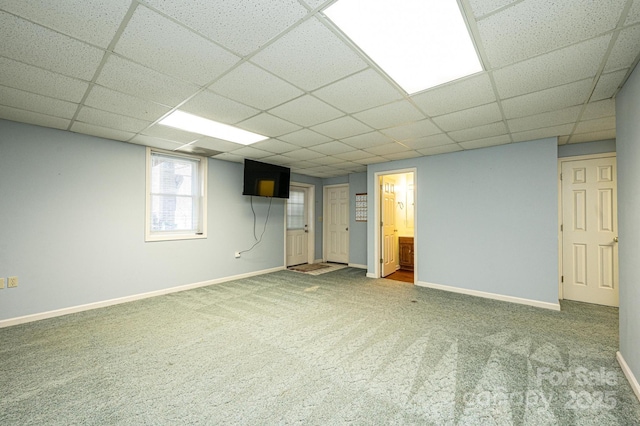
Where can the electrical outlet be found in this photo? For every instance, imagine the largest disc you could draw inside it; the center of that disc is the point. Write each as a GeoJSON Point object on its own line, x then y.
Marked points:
{"type": "Point", "coordinates": [13, 282]}
{"type": "Point", "coordinates": [237, 254]}
{"type": "Point", "coordinates": [1, 283]}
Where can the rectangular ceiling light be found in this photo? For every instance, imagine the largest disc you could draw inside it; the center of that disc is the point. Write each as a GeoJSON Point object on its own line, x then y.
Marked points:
{"type": "Point", "coordinates": [418, 43]}
{"type": "Point", "coordinates": [203, 126]}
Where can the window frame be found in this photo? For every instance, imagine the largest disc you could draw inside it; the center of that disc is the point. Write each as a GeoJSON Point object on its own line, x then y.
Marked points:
{"type": "Point", "coordinates": [201, 233]}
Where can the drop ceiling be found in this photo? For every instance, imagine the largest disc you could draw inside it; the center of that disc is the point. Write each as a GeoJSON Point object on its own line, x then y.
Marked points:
{"type": "Point", "coordinates": [114, 68]}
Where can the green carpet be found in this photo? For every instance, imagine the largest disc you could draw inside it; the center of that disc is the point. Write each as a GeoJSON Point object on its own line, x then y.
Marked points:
{"type": "Point", "coordinates": [336, 348]}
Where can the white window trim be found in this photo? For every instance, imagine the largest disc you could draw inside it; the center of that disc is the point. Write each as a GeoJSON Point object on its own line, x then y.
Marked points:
{"type": "Point", "coordinates": [157, 236]}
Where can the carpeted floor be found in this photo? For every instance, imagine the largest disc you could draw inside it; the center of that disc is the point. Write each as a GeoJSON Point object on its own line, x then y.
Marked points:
{"type": "Point", "coordinates": [337, 348]}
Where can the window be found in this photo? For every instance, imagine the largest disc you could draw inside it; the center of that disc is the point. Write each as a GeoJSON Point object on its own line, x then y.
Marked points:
{"type": "Point", "coordinates": [176, 196]}
{"type": "Point", "coordinates": [295, 209]}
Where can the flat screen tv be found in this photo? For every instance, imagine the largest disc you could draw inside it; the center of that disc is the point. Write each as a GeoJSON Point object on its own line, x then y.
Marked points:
{"type": "Point", "coordinates": [266, 180]}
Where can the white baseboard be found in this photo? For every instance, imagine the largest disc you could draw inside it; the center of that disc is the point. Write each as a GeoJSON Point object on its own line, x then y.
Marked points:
{"type": "Point", "coordinates": [629, 374]}
{"type": "Point", "coordinates": [355, 265]}
{"type": "Point", "coordinates": [371, 275]}
{"type": "Point", "coordinates": [74, 309]}
{"type": "Point", "coordinates": [495, 296]}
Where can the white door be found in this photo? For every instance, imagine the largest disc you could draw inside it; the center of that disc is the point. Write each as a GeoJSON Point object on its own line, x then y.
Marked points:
{"type": "Point", "coordinates": [297, 226]}
{"type": "Point", "coordinates": [590, 231]}
{"type": "Point", "coordinates": [389, 228]}
{"type": "Point", "coordinates": [337, 223]}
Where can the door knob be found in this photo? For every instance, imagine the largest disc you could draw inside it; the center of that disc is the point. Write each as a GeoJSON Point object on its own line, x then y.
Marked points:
{"type": "Point", "coordinates": [346, 229]}
{"type": "Point", "coordinates": [615, 239]}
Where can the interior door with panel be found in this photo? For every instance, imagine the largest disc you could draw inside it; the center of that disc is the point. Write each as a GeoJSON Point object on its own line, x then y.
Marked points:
{"type": "Point", "coordinates": [337, 223]}
{"type": "Point", "coordinates": [389, 228]}
{"type": "Point", "coordinates": [590, 231]}
{"type": "Point", "coordinates": [297, 226]}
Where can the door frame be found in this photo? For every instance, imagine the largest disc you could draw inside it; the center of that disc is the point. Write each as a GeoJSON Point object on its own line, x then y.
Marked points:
{"type": "Point", "coordinates": [325, 209]}
{"type": "Point", "coordinates": [377, 270]}
{"type": "Point", "coordinates": [311, 239]}
{"type": "Point", "coordinates": [560, 233]}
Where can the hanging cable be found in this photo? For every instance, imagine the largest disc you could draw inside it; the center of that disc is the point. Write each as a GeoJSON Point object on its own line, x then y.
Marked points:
{"type": "Point", "coordinates": [264, 228]}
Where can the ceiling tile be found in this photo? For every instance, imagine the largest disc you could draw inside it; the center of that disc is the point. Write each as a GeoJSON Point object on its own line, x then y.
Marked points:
{"type": "Point", "coordinates": [390, 115]}
{"type": "Point", "coordinates": [353, 155]}
{"type": "Point", "coordinates": [165, 46]}
{"type": "Point", "coordinates": [327, 161]}
{"type": "Point", "coordinates": [29, 117]}
{"type": "Point", "coordinates": [217, 144]}
{"type": "Point", "coordinates": [36, 45]}
{"type": "Point", "coordinates": [268, 125]}
{"type": "Point", "coordinates": [155, 142]}
{"type": "Point", "coordinates": [367, 140]}
{"type": "Point", "coordinates": [304, 154]}
{"type": "Point", "coordinates": [241, 25]}
{"type": "Point", "coordinates": [486, 142]}
{"type": "Point", "coordinates": [305, 137]}
{"type": "Point", "coordinates": [552, 69]}
{"type": "Point", "coordinates": [633, 17]}
{"type": "Point", "coordinates": [36, 103]}
{"type": "Point", "coordinates": [548, 132]}
{"type": "Point", "coordinates": [275, 146]}
{"type": "Point", "coordinates": [101, 132]}
{"type": "Point", "coordinates": [625, 50]}
{"type": "Point", "coordinates": [596, 125]}
{"type": "Point", "coordinates": [253, 86]}
{"type": "Point", "coordinates": [218, 108]}
{"type": "Point", "coordinates": [533, 27]}
{"type": "Point", "coordinates": [444, 149]}
{"type": "Point", "coordinates": [298, 166]}
{"type": "Point", "coordinates": [93, 21]}
{"type": "Point", "coordinates": [547, 100]}
{"type": "Point", "coordinates": [251, 152]}
{"type": "Point", "coordinates": [110, 120]}
{"type": "Point", "coordinates": [428, 142]}
{"type": "Point", "coordinates": [546, 119]}
{"type": "Point", "coordinates": [332, 148]}
{"type": "Point", "coordinates": [493, 129]}
{"type": "Point", "coordinates": [483, 7]}
{"type": "Point", "coordinates": [226, 156]}
{"type": "Point", "coordinates": [562, 140]}
{"type": "Point", "coordinates": [306, 111]}
{"type": "Point", "coordinates": [360, 91]}
{"type": "Point", "coordinates": [36, 80]}
{"type": "Point", "coordinates": [119, 103]}
{"type": "Point", "coordinates": [389, 148]}
{"type": "Point", "coordinates": [171, 134]}
{"type": "Point", "coordinates": [310, 56]}
{"type": "Point", "coordinates": [608, 85]}
{"type": "Point", "coordinates": [460, 94]}
{"type": "Point", "coordinates": [471, 117]}
{"type": "Point", "coordinates": [123, 75]}
{"type": "Point", "coordinates": [403, 155]}
{"type": "Point", "coordinates": [413, 130]}
{"type": "Point", "coordinates": [604, 108]}
{"type": "Point", "coordinates": [341, 128]}
{"type": "Point", "coordinates": [374, 159]}
{"type": "Point", "coordinates": [595, 136]}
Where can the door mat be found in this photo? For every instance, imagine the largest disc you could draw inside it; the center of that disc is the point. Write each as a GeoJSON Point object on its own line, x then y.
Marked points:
{"type": "Point", "coordinates": [317, 268]}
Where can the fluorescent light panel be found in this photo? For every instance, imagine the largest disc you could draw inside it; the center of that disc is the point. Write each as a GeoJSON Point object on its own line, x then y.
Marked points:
{"type": "Point", "coordinates": [203, 126]}
{"type": "Point", "coordinates": [418, 43]}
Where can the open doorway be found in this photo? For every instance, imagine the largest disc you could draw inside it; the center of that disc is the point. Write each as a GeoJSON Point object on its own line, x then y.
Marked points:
{"type": "Point", "coordinates": [396, 212]}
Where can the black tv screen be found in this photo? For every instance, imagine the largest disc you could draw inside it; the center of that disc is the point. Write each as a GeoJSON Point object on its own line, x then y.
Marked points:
{"type": "Point", "coordinates": [265, 180]}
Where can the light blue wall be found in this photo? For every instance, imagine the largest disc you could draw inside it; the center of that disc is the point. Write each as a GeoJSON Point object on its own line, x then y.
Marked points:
{"type": "Point", "coordinates": [72, 216]}
{"type": "Point", "coordinates": [628, 160]}
{"type": "Point", "coordinates": [486, 219]}
{"type": "Point", "coordinates": [587, 148]}
{"type": "Point", "coordinates": [357, 230]}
